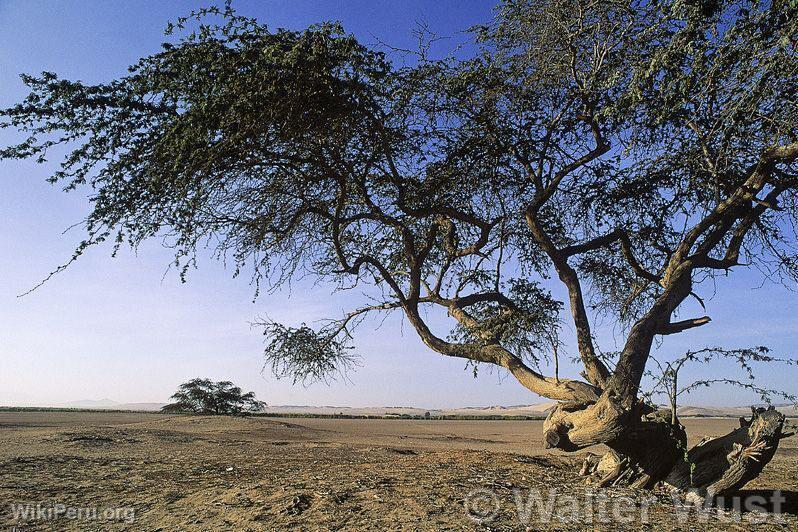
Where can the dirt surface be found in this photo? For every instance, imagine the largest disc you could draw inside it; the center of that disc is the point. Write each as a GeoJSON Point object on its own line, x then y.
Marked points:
{"type": "Point", "coordinates": [128, 471]}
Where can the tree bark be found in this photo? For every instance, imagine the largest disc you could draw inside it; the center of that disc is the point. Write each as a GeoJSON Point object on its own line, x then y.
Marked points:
{"type": "Point", "coordinates": [724, 465]}
{"type": "Point", "coordinates": [651, 449]}
{"type": "Point", "coordinates": [644, 448]}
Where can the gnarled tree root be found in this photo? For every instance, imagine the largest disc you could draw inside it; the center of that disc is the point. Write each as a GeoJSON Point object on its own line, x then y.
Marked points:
{"type": "Point", "coordinates": [644, 455]}
{"type": "Point", "coordinates": [724, 465]}
{"type": "Point", "coordinates": [653, 450]}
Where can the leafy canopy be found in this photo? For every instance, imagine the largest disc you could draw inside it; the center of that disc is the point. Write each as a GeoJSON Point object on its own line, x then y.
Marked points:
{"type": "Point", "coordinates": [632, 149]}
{"type": "Point", "coordinates": [204, 396]}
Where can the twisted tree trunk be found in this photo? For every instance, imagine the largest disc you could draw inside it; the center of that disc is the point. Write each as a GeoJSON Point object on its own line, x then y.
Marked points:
{"type": "Point", "coordinates": [647, 449]}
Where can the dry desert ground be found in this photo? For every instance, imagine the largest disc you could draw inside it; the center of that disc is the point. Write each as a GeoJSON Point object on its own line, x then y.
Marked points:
{"type": "Point", "coordinates": [139, 471]}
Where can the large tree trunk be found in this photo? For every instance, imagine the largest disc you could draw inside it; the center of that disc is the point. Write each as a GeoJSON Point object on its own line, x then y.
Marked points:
{"type": "Point", "coordinates": [647, 448]}
{"type": "Point", "coordinates": [644, 447]}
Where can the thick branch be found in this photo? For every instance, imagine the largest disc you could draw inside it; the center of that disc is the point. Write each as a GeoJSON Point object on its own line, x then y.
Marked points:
{"type": "Point", "coordinates": [483, 297]}
{"type": "Point", "coordinates": [561, 390]}
{"type": "Point", "coordinates": [597, 373]}
{"type": "Point", "coordinates": [680, 326]}
{"type": "Point", "coordinates": [592, 245]}
{"type": "Point", "coordinates": [626, 249]}
{"type": "Point", "coordinates": [677, 279]}
{"type": "Point", "coordinates": [732, 255]}
{"type": "Point", "coordinates": [782, 154]}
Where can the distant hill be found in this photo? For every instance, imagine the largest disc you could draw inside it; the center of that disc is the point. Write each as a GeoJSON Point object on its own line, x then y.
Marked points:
{"type": "Point", "coordinates": [141, 406]}
{"type": "Point", "coordinates": [539, 410]}
{"type": "Point", "coordinates": [536, 410]}
{"type": "Point", "coordinates": [91, 403]}
{"type": "Point", "coordinates": [108, 404]}
{"type": "Point", "coordinates": [729, 411]}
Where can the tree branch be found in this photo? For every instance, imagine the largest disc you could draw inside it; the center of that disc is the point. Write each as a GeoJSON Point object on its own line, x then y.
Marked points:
{"type": "Point", "coordinates": [592, 245]}
{"type": "Point", "coordinates": [680, 326]}
{"type": "Point", "coordinates": [595, 369]}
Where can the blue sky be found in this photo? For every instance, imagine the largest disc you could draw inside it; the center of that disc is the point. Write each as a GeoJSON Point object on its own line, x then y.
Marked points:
{"type": "Point", "coordinates": [119, 328]}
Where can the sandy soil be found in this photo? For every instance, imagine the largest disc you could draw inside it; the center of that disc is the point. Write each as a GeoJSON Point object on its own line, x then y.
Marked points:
{"type": "Point", "coordinates": [155, 472]}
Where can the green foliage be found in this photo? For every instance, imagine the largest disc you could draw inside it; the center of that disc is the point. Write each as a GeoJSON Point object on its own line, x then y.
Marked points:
{"type": "Point", "coordinates": [204, 396]}
{"type": "Point", "coordinates": [304, 354]}
{"type": "Point", "coordinates": [527, 323]}
{"type": "Point", "coordinates": [595, 132]}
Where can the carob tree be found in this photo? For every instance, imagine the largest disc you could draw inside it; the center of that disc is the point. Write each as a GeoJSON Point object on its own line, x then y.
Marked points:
{"type": "Point", "coordinates": [633, 149]}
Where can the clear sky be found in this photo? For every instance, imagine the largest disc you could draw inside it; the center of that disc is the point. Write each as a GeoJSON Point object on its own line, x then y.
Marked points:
{"type": "Point", "coordinates": [121, 329]}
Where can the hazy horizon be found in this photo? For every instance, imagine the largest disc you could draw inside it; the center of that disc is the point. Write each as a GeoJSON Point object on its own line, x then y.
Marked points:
{"type": "Point", "coordinates": [124, 329]}
{"type": "Point", "coordinates": [106, 403]}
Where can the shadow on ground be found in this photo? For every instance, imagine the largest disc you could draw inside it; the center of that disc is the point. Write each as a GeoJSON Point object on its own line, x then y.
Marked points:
{"type": "Point", "coordinates": [773, 501]}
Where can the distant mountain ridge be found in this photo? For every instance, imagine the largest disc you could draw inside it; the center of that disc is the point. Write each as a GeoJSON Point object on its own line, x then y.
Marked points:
{"type": "Point", "coordinates": [539, 410]}
{"type": "Point", "coordinates": [92, 403]}
{"type": "Point", "coordinates": [729, 411]}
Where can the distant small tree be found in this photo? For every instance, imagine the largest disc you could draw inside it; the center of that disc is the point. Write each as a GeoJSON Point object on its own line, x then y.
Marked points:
{"type": "Point", "coordinates": [203, 396]}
